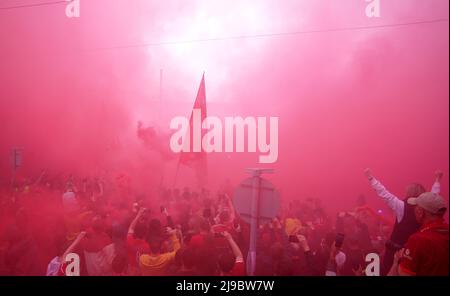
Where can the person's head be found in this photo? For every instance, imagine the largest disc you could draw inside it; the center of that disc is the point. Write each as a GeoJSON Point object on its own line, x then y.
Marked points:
{"type": "Point", "coordinates": [224, 217]}
{"type": "Point", "coordinates": [154, 244]}
{"type": "Point", "coordinates": [140, 231]}
{"type": "Point", "coordinates": [98, 224]}
{"type": "Point", "coordinates": [155, 228]}
{"type": "Point", "coordinates": [428, 207]}
{"type": "Point", "coordinates": [414, 190]}
{"type": "Point", "coordinates": [226, 262]}
{"type": "Point", "coordinates": [204, 226]}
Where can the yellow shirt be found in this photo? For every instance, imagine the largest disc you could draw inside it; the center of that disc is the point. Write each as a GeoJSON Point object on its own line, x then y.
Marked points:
{"type": "Point", "coordinates": [158, 264]}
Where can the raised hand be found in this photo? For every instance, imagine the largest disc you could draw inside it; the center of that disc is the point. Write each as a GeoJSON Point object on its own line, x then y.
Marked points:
{"type": "Point", "coordinates": [368, 174]}
{"type": "Point", "coordinates": [227, 235]}
{"type": "Point", "coordinates": [303, 242]}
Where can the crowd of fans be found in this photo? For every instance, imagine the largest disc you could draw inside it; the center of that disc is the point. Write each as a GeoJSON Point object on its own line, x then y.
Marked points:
{"type": "Point", "coordinates": [182, 232]}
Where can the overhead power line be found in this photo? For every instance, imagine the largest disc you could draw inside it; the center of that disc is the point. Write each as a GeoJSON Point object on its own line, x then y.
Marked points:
{"type": "Point", "coordinates": [33, 5]}
{"type": "Point", "coordinates": [268, 35]}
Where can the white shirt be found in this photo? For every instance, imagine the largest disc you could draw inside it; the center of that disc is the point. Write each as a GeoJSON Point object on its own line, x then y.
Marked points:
{"type": "Point", "coordinates": [395, 203]}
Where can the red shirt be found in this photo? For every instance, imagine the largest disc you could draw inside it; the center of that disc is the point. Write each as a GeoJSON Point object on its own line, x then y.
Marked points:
{"type": "Point", "coordinates": [426, 251]}
{"type": "Point", "coordinates": [136, 247]}
{"type": "Point", "coordinates": [197, 241]}
{"type": "Point", "coordinates": [238, 269]}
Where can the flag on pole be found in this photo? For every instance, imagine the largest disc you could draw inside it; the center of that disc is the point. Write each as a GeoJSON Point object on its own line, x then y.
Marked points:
{"type": "Point", "coordinates": [196, 158]}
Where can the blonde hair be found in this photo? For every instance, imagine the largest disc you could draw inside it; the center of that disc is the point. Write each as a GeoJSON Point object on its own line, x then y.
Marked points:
{"type": "Point", "coordinates": [414, 190]}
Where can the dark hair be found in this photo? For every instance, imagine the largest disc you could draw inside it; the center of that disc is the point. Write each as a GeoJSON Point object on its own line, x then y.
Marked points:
{"type": "Point", "coordinates": [204, 225]}
{"type": "Point", "coordinates": [140, 231]}
{"type": "Point", "coordinates": [414, 190]}
{"type": "Point", "coordinates": [155, 228]}
{"type": "Point", "coordinates": [154, 243]}
{"type": "Point", "coordinates": [224, 216]}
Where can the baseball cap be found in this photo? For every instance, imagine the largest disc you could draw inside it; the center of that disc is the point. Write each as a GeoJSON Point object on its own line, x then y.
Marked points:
{"type": "Point", "coordinates": [429, 201]}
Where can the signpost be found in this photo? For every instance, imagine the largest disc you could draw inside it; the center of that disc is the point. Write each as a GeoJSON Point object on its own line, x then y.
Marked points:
{"type": "Point", "coordinates": [16, 163]}
{"type": "Point", "coordinates": [256, 200]}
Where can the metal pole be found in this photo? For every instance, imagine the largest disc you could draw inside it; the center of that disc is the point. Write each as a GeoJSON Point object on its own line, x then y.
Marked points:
{"type": "Point", "coordinates": [254, 225]}
{"type": "Point", "coordinates": [251, 258]}
{"type": "Point", "coordinates": [14, 160]}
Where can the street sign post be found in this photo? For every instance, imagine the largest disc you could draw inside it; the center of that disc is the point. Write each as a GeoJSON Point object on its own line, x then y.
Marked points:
{"type": "Point", "coordinates": [16, 162]}
{"type": "Point", "coordinates": [256, 200]}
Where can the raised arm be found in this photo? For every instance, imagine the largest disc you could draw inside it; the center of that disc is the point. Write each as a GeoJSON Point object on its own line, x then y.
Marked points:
{"type": "Point", "coordinates": [72, 247]}
{"type": "Point", "coordinates": [234, 247]}
{"type": "Point", "coordinates": [231, 207]}
{"type": "Point", "coordinates": [169, 218]}
{"type": "Point", "coordinates": [176, 238]}
{"type": "Point", "coordinates": [396, 204]}
{"type": "Point", "coordinates": [135, 220]}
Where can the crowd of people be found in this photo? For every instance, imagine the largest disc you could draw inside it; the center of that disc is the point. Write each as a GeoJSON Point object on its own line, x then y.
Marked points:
{"type": "Point", "coordinates": [116, 231]}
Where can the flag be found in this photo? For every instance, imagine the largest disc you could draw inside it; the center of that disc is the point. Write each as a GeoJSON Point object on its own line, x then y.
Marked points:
{"type": "Point", "coordinates": [196, 160]}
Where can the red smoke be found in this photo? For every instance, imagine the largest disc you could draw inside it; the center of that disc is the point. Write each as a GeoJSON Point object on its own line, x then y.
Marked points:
{"type": "Point", "coordinates": [72, 92]}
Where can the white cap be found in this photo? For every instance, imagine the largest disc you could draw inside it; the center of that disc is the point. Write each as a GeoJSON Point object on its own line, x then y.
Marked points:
{"type": "Point", "coordinates": [430, 202]}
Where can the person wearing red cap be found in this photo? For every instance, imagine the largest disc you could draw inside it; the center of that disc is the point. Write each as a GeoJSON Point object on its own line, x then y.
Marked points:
{"type": "Point", "coordinates": [426, 251]}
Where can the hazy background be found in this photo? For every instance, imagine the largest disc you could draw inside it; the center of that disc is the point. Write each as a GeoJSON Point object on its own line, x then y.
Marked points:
{"type": "Point", "coordinates": [73, 90]}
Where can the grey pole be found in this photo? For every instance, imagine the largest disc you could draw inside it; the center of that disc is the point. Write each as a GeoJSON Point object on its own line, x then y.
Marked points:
{"type": "Point", "coordinates": [251, 257]}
